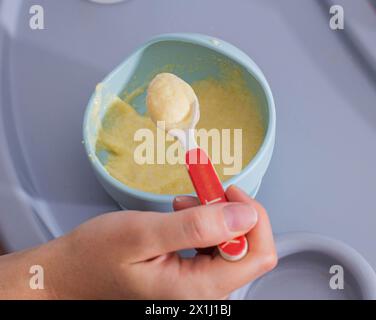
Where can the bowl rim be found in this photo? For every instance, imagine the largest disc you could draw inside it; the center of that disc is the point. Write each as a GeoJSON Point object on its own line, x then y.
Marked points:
{"type": "Point", "coordinates": [217, 45]}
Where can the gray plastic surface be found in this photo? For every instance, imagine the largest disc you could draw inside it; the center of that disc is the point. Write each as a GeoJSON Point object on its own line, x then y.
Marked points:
{"type": "Point", "coordinates": [322, 177]}
{"type": "Point", "coordinates": [312, 266]}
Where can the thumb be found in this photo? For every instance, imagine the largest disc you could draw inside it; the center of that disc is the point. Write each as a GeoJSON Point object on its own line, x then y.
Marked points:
{"type": "Point", "coordinates": [204, 226]}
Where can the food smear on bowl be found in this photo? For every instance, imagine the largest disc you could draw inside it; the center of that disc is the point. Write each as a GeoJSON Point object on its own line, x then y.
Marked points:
{"type": "Point", "coordinates": [226, 105]}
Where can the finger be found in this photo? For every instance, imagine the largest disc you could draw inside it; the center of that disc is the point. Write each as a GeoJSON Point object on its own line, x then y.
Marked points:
{"type": "Point", "coordinates": [204, 226]}
{"type": "Point", "coordinates": [261, 237]}
{"type": "Point", "coordinates": [216, 277]}
{"type": "Point", "coordinates": [185, 202]}
{"type": "Point", "coordinates": [197, 227]}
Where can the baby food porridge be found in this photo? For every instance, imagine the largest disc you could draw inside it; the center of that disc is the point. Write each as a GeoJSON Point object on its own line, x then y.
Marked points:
{"type": "Point", "coordinates": [170, 99]}
{"type": "Point", "coordinates": [224, 104]}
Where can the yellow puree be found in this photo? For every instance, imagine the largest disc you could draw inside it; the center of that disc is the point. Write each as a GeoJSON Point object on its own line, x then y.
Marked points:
{"type": "Point", "coordinates": [223, 104]}
{"type": "Point", "coordinates": [170, 99]}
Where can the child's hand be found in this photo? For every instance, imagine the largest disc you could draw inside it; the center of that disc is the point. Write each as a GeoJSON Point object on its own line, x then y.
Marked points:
{"type": "Point", "coordinates": [132, 255]}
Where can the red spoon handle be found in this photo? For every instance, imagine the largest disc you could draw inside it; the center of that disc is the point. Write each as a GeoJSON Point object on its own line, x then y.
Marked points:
{"type": "Point", "coordinates": [209, 190]}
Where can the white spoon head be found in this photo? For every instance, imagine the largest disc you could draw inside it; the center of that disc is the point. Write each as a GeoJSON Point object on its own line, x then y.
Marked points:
{"type": "Point", "coordinates": [185, 134]}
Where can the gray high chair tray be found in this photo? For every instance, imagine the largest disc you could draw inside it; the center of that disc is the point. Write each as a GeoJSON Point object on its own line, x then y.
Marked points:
{"type": "Point", "coordinates": [322, 177]}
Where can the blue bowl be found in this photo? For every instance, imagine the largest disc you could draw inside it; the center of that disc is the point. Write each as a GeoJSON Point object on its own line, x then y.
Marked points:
{"type": "Point", "coordinates": [194, 57]}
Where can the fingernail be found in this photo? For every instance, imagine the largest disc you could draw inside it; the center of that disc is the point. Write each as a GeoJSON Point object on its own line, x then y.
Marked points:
{"type": "Point", "coordinates": [239, 216]}
{"type": "Point", "coordinates": [184, 198]}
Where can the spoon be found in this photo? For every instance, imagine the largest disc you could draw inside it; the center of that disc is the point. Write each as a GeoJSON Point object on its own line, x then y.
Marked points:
{"type": "Point", "coordinates": [204, 178]}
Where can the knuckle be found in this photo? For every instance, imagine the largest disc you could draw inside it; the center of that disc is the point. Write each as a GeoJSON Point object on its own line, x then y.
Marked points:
{"type": "Point", "coordinates": [195, 227]}
{"type": "Point", "coordinates": [269, 261]}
